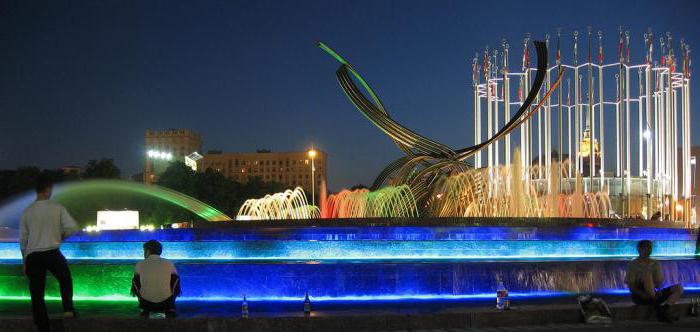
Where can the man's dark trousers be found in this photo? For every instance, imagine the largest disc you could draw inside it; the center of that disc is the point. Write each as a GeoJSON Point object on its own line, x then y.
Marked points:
{"type": "Point", "coordinates": [37, 263]}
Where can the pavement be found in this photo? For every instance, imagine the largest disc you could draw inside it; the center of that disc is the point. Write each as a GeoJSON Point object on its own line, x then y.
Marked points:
{"type": "Point", "coordinates": [550, 314]}
{"type": "Point", "coordinates": [687, 324]}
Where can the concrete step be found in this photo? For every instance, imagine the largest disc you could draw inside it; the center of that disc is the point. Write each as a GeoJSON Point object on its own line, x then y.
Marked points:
{"type": "Point", "coordinates": [535, 315]}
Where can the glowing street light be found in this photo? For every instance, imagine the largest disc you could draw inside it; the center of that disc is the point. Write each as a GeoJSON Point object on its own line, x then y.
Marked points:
{"type": "Point", "coordinates": [647, 134]}
{"type": "Point", "coordinates": [162, 155]}
{"type": "Point", "coordinates": [312, 155]}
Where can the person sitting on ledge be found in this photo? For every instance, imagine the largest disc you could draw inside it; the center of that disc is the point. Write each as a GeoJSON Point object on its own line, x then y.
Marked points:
{"type": "Point", "coordinates": [644, 281]}
{"type": "Point", "coordinates": [156, 282]}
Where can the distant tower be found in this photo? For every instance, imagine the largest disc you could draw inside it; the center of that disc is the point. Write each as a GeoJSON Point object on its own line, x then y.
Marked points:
{"type": "Point", "coordinates": [166, 146]}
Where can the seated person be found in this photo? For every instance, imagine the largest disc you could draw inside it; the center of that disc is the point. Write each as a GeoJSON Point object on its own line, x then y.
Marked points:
{"type": "Point", "coordinates": [155, 282]}
{"type": "Point", "coordinates": [644, 281]}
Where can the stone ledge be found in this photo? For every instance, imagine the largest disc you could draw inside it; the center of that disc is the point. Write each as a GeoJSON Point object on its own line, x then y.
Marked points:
{"type": "Point", "coordinates": [525, 316]}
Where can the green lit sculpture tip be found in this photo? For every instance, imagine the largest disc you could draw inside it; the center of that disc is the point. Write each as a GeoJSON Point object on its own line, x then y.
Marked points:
{"type": "Point", "coordinates": [332, 53]}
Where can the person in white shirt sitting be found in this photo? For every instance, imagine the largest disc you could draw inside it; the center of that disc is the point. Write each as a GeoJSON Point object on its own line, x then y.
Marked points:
{"type": "Point", "coordinates": [42, 228]}
{"type": "Point", "coordinates": [156, 282]}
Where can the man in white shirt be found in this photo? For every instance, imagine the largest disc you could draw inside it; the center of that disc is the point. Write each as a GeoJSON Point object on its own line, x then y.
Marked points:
{"type": "Point", "coordinates": [155, 282]}
{"type": "Point", "coordinates": [43, 226]}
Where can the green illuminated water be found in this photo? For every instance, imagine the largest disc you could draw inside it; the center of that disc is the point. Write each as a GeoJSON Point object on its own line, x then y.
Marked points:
{"type": "Point", "coordinates": [74, 193]}
{"type": "Point", "coordinates": [102, 281]}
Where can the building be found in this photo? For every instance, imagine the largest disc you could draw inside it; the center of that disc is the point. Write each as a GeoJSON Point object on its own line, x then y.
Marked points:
{"type": "Point", "coordinates": [293, 169]}
{"type": "Point", "coordinates": [165, 146]}
{"type": "Point", "coordinates": [72, 170]}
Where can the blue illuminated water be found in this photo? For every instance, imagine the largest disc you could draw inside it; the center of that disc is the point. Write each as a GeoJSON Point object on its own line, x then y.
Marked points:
{"type": "Point", "coordinates": [392, 262]}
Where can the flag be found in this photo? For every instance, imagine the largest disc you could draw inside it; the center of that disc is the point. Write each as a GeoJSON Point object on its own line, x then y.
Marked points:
{"type": "Point", "coordinates": [526, 57]}
{"type": "Point", "coordinates": [600, 49]}
{"type": "Point", "coordinates": [620, 49]}
{"type": "Point", "coordinates": [558, 48]}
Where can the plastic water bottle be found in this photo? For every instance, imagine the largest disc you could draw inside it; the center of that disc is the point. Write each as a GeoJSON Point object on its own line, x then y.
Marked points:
{"type": "Point", "coordinates": [502, 301]}
{"type": "Point", "coordinates": [307, 305]}
{"type": "Point", "coordinates": [244, 307]}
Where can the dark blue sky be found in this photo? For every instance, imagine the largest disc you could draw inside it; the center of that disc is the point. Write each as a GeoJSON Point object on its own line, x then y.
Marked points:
{"type": "Point", "coordinates": [84, 79]}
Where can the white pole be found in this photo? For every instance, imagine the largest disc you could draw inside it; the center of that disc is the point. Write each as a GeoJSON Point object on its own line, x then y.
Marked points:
{"type": "Point", "coordinates": [602, 117]}
{"type": "Point", "coordinates": [506, 99]}
{"type": "Point", "coordinates": [641, 131]}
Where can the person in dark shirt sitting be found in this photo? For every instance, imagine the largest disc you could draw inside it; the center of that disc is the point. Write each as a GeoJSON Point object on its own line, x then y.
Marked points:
{"type": "Point", "coordinates": [644, 279]}
{"type": "Point", "coordinates": [156, 282]}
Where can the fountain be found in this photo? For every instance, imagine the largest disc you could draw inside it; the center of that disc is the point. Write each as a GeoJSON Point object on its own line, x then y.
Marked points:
{"type": "Point", "coordinates": [541, 235]}
{"type": "Point", "coordinates": [577, 184]}
{"type": "Point", "coordinates": [500, 192]}
{"type": "Point", "coordinates": [72, 194]}
{"type": "Point", "coordinates": [387, 202]}
{"type": "Point", "coordinates": [290, 204]}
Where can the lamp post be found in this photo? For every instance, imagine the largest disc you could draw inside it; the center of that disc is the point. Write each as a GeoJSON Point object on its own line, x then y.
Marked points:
{"type": "Point", "coordinates": [312, 155]}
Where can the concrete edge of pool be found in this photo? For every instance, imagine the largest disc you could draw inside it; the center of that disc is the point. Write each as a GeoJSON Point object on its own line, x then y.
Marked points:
{"type": "Point", "coordinates": [367, 320]}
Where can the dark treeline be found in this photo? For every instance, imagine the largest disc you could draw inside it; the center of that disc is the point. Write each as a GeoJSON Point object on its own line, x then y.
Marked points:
{"type": "Point", "coordinates": [210, 187]}
{"type": "Point", "coordinates": [13, 182]}
{"type": "Point", "coordinates": [214, 188]}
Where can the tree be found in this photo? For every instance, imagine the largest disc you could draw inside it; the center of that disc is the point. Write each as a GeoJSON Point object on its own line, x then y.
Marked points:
{"type": "Point", "coordinates": [358, 186]}
{"type": "Point", "coordinates": [179, 177]}
{"type": "Point", "coordinates": [214, 188]}
{"type": "Point", "coordinates": [13, 182]}
{"type": "Point", "coordinates": [101, 169]}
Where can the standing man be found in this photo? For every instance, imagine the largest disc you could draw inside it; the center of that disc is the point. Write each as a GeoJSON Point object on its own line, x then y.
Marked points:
{"type": "Point", "coordinates": [644, 280]}
{"type": "Point", "coordinates": [43, 226]}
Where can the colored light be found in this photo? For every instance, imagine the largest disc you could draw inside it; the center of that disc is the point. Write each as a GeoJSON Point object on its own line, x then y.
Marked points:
{"type": "Point", "coordinates": [290, 204]}
{"type": "Point", "coordinates": [75, 189]}
{"type": "Point", "coordinates": [107, 220]}
{"type": "Point", "coordinates": [367, 251]}
{"type": "Point", "coordinates": [366, 263]}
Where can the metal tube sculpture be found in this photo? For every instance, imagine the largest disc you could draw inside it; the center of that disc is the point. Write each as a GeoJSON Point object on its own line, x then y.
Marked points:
{"type": "Point", "coordinates": [661, 187]}
{"type": "Point", "coordinates": [426, 160]}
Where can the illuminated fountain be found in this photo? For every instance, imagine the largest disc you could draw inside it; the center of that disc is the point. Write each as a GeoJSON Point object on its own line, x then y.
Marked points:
{"type": "Point", "coordinates": [400, 258]}
{"type": "Point", "coordinates": [387, 202]}
{"type": "Point", "coordinates": [622, 129]}
{"type": "Point", "coordinates": [290, 204]}
{"type": "Point", "coordinates": [472, 194]}
{"type": "Point", "coordinates": [651, 113]}
{"type": "Point", "coordinates": [72, 194]}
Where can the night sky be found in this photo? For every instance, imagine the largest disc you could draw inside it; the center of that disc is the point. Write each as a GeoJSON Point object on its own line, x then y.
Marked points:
{"type": "Point", "coordinates": [82, 80]}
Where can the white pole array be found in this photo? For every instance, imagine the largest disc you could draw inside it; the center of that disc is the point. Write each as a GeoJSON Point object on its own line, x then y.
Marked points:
{"type": "Point", "coordinates": [657, 119]}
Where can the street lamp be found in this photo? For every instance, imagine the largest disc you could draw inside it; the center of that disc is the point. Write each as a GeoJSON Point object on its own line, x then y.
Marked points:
{"type": "Point", "coordinates": [312, 155]}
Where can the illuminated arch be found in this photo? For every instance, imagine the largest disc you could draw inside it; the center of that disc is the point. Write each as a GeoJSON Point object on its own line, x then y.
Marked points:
{"type": "Point", "coordinates": [194, 205]}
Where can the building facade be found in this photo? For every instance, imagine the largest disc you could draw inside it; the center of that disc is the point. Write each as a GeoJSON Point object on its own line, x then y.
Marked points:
{"type": "Point", "coordinates": [166, 146]}
{"type": "Point", "coordinates": [293, 169]}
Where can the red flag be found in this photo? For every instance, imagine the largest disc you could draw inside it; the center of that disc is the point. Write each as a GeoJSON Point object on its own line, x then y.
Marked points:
{"type": "Point", "coordinates": [526, 58]}
{"type": "Point", "coordinates": [620, 49]}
